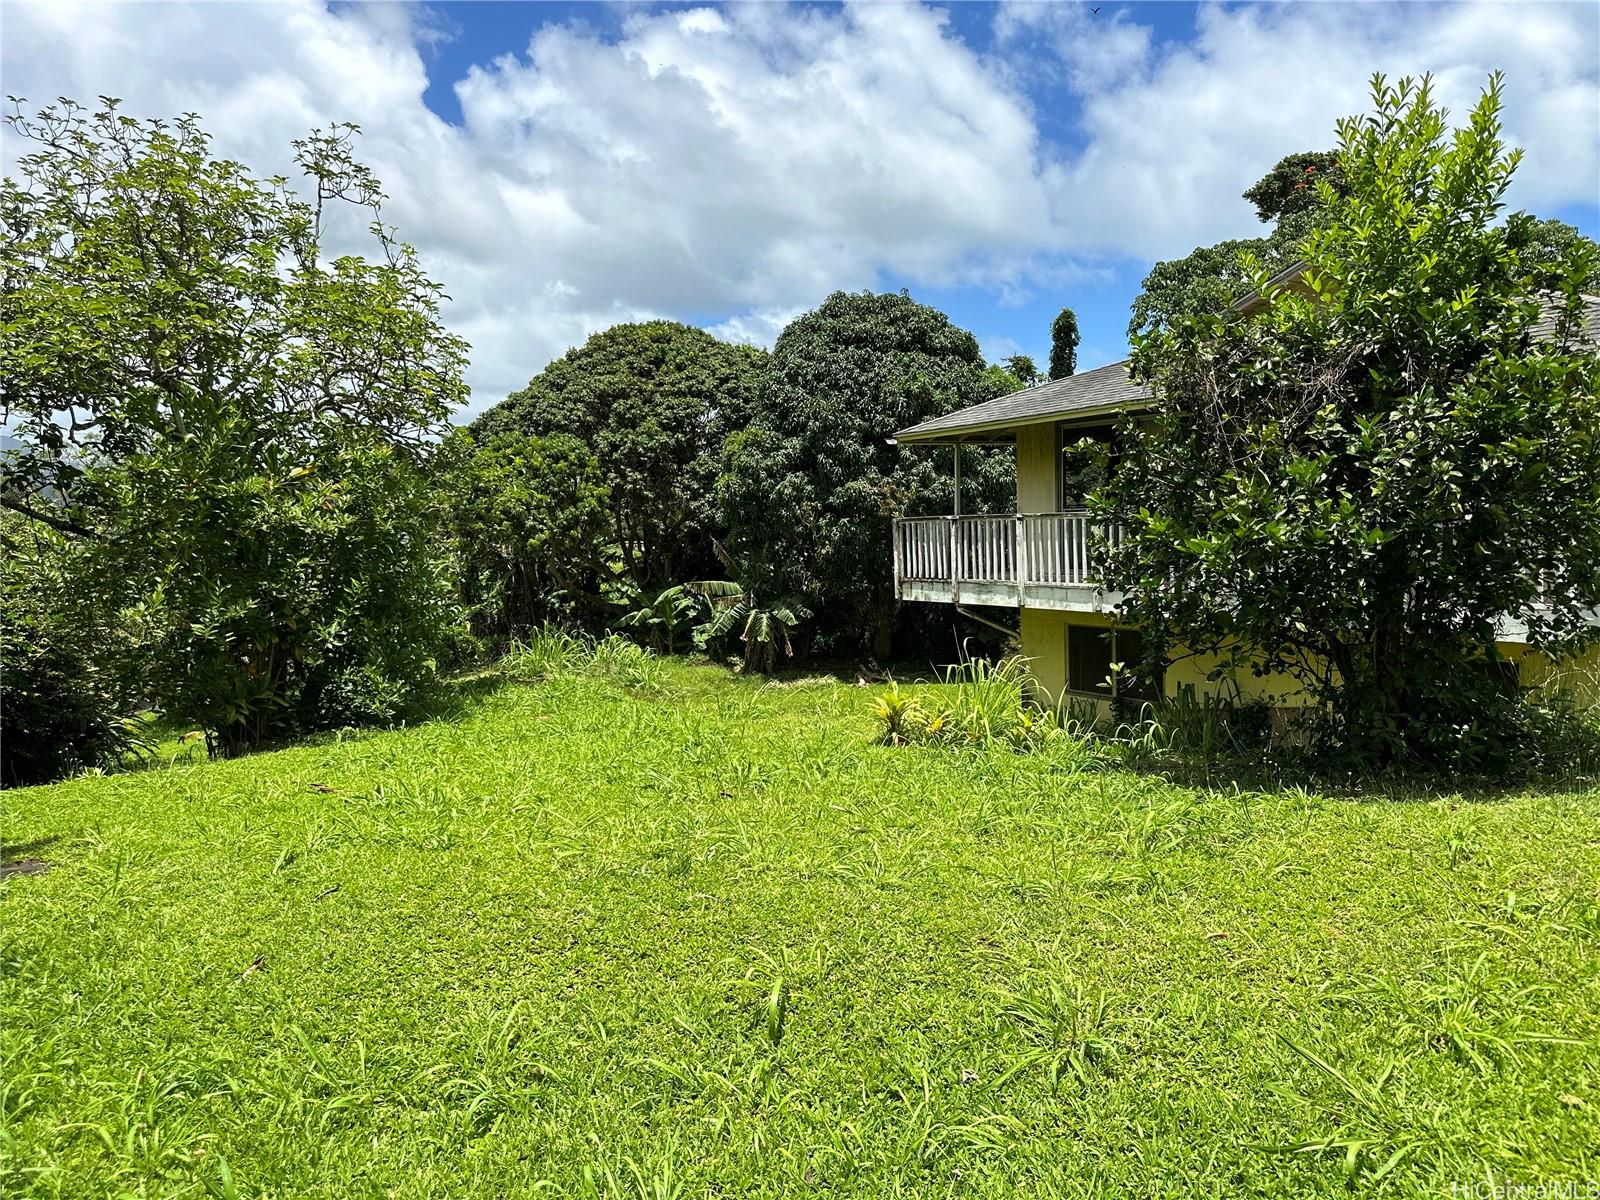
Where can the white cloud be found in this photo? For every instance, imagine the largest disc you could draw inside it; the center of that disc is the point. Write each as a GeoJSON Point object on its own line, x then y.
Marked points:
{"type": "Point", "coordinates": [1174, 134]}
{"type": "Point", "coordinates": [740, 163]}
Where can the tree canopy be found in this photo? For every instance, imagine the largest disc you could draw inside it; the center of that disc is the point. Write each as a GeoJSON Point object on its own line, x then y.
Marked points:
{"type": "Point", "coordinates": [809, 492]}
{"type": "Point", "coordinates": [232, 427]}
{"type": "Point", "coordinates": [1291, 186]}
{"type": "Point", "coordinates": [1022, 368]}
{"type": "Point", "coordinates": [1290, 197]}
{"type": "Point", "coordinates": [653, 402]}
{"type": "Point", "coordinates": [533, 532]}
{"type": "Point", "coordinates": [1064, 344]}
{"type": "Point", "coordinates": [1354, 486]}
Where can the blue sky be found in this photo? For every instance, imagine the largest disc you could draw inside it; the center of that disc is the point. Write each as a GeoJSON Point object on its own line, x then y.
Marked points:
{"type": "Point", "coordinates": [565, 166]}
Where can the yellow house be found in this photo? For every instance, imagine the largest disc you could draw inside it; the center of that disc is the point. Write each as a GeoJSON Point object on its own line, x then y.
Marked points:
{"type": "Point", "coordinates": [1037, 560]}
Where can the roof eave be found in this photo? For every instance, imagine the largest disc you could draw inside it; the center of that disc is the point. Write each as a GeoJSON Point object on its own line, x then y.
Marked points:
{"type": "Point", "coordinates": [971, 434]}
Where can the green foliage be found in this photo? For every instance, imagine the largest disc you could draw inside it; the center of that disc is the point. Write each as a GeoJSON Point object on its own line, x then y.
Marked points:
{"type": "Point", "coordinates": [762, 626]}
{"type": "Point", "coordinates": [1291, 186]}
{"type": "Point", "coordinates": [1291, 198]}
{"type": "Point", "coordinates": [532, 527]}
{"type": "Point", "coordinates": [233, 426]}
{"type": "Point", "coordinates": [981, 704]}
{"type": "Point", "coordinates": [555, 944]}
{"type": "Point", "coordinates": [551, 652]}
{"type": "Point", "coordinates": [1064, 344]}
{"type": "Point", "coordinates": [1361, 482]}
{"type": "Point", "coordinates": [675, 609]}
{"type": "Point", "coordinates": [808, 493]}
{"type": "Point", "coordinates": [653, 402]}
{"type": "Point", "coordinates": [1546, 249]}
{"type": "Point", "coordinates": [1210, 278]}
{"type": "Point", "coordinates": [997, 381]}
{"type": "Point", "coordinates": [326, 604]}
{"type": "Point", "coordinates": [65, 705]}
{"type": "Point", "coordinates": [1022, 367]}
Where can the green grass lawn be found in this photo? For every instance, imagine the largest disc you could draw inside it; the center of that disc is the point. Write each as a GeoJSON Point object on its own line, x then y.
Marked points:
{"type": "Point", "coordinates": [708, 939]}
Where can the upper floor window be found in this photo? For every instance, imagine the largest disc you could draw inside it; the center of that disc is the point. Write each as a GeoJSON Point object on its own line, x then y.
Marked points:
{"type": "Point", "coordinates": [1079, 479]}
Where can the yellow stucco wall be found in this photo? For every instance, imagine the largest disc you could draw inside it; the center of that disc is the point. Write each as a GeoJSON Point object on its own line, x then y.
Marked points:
{"type": "Point", "coordinates": [1044, 643]}
{"type": "Point", "coordinates": [1036, 469]}
{"type": "Point", "coordinates": [1577, 675]}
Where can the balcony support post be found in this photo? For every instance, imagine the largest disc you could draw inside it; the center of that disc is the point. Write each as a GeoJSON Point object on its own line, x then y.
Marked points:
{"type": "Point", "coordinates": [955, 455]}
{"type": "Point", "coordinates": [1019, 559]}
{"type": "Point", "coordinates": [955, 555]}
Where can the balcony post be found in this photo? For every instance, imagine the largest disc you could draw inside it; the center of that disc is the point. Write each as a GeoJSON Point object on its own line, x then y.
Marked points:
{"type": "Point", "coordinates": [1019, 531]}
{"type": "Point", "coordinates": [955, 454]}
{"type": "Point", "coordinates": [955, 565]}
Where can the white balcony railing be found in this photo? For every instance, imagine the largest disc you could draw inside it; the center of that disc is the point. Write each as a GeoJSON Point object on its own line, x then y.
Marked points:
{"type": "Point", "coordinates": [1015, 551]}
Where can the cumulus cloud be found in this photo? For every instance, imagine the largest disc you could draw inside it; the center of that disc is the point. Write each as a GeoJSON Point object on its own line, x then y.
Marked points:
{"type": "Point", "coordinates": [733, 165]}
{"type": "Point", "coordinates": [1173, 134]}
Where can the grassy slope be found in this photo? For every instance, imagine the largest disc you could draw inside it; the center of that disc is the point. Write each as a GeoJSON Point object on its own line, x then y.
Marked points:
{"type": "Point", "coordinates": [560, 923]}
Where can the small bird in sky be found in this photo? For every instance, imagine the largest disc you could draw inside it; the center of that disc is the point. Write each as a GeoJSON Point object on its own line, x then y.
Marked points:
{"type": "Point", "coordinates": [1094, 10]}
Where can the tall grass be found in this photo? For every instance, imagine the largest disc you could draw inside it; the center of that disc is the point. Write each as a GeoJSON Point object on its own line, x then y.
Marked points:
{"type": "Point", "coordinates": [552, 652]}
{"type": "Point", "coordinates": [983, 704]}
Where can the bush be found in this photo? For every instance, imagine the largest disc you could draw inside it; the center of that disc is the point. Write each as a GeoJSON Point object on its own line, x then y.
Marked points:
{"type": "Point", "coordinates": [289, 601]}
{"type": "Point", "coordinates": [63, 704]}
{"type": "Point", "coordinates": [530, 519]}
{"type": "Point", "coordinates": [984, 704]}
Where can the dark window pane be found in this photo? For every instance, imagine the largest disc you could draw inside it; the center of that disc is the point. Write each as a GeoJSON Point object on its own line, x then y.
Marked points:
{"type": "Point", "coordinates": [1091, 651]}
{"type": "Point", "coordinates": [1132, 683]}
{"type": "Point", "coordinates": [1079, 478]}
{"type": "Point", "coordinates": [1088, 659]}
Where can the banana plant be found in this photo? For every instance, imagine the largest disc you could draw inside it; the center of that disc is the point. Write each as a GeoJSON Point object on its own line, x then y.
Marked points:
{"type": "Point", "coordinates": [763, 626]}
{"type": "Point", "coordinates": [674, 609]}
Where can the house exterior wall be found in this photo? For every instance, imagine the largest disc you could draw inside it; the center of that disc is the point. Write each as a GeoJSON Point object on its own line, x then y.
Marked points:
{"type": "Point", "coordinates": [1577, 675]}
{"type": "Point", "coordinates": [1038, 467]}
{"type": "Point", "coordinates": [1044, 644]}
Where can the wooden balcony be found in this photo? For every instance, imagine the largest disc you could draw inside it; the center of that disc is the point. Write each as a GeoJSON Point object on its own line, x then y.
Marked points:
{"type": "Point", "coordinates": [1014, 560]}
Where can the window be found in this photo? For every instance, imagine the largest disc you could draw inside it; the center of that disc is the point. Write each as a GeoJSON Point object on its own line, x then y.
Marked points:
{"type": "Point", "coordinates": [1091, 649]}
{"type": "Point", "coordinates": [1078, 479]}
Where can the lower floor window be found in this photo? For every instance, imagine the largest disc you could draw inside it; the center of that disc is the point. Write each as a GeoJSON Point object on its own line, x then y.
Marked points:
{"type": "Point", "coordinates": [1092, 649]}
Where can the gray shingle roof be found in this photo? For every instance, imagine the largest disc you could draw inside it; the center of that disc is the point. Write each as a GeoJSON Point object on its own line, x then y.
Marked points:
{"type": "Point", "coordinates": [1103, 388]}
{"type": "Point", "coordinates": [1545, 326]}
{"type": "Point", "coordinates": [1109, 387]}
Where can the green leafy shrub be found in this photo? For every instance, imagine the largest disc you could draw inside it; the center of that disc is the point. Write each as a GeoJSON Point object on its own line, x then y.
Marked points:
{"type": "Point", "coordinates": [64, 703]}
{"type": "Point", "coordinates": [1362, 477]}
{"type": "Point", "coordinates": [980, 704]}
{"type": "Point", "coordinates": [234, 426]}
{"type": "Point", "coordinates": [530, 521]}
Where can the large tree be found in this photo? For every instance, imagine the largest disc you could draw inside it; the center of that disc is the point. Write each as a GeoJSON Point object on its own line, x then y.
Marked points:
{"type": "Point", "coordinates": [1292, 186]}
{"type": "Point", "coordinates": [1022, 368]}
{"type": "Point", "coordinates": [653, 402]}
{"type": "Point", "coordinates": [233, 425]}
{"type": "Point", "coordinates": [533, 532]}
{"type": "Point", "coordinates": [1064, 344]}
{"type": "Point", "coordinates": [1355, 486]}
{"type": "Point", "coordinates": [811, 490]}
{"type": "Point", "coordinates": [1290, 198]}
